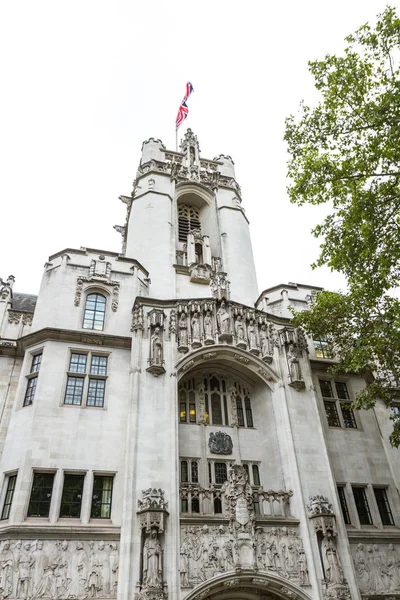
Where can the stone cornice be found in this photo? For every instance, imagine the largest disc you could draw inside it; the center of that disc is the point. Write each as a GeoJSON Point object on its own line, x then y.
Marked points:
{"type": "Point", "coordinates": [70, 336]}
{"type": "Point", "coordinates": [88, 251]}
{"type": "Point", "coordinates": [235, 208]}
{"type": "Point", "coordinates": [67, 532]}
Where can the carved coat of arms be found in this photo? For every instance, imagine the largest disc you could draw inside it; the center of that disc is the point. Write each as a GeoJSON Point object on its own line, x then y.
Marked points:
{"type": "Point", "coordinates": [220, 443]}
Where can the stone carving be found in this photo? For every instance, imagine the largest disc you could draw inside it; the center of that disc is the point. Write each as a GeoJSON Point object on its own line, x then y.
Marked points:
{"type": "Point", "coordinates": [93, 278]}
{"type": "Point", "coordinates": [240, 333]}
{"type": "Point", "coordinates": [266, 349]}
{"type": "Point", "coordinates": [156, 358]}
{"type": "Point", "coordinates": [172, 321]}
{"type": "Point", "coordinates": [252, 335]}
{"type": "Point", "coordinates": [152, 561]}
{"type": "Point", "coordinates": [202, 405]}
{"type": "Point", "coordinates": [224, 322]}
{"type": "Point", "coordinates": [319, 505]}
{"type": "Point", "coordinates": [377, 568]}
{"type": "Point", "coordinates": [152, 498]}
{"type": "Point", "coordinates": [152, 510]}
{"type": "Point", "coordinates": [6, 288]}
{"type": "Point", "coordinates": [183, 333]}
{"type": "Point", "coordinates": [241, 359]}
{"type": "Point", "coordinates": [239, 500]}
{"type": "Point", "coordinates": [220, 443]}
{"type": "Point", "coordinates": [137, 319]}
{"type": "Point", "coordinates": [208, 329]}
{"type": "Point", "coordinates": [295, 376]}
{"type": "Point", "coordinates": [331, 562]}
{"type": "Point", "coordinates": [58, 570]}
{"type": "Point", "coordinates": [100, 268]}
{"type": "Point", "coordinates": [115, 298]}
{"type": "Point", "coordinates": [210, 551]}
{"type": "Point", "coordinates": [195, 323]}
{"type": "Point", "coordinates": [220, 286]}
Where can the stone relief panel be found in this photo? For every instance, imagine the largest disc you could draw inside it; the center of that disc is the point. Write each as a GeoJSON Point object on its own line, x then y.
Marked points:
{"type": "Point", "coordinates": [220, 443]}
{"type": "Point", "coordinates": [377, 568]}
{"type": "Point", "coordinates": [58, 569]}
{"type": "Point", "coordinates": [208, 551]}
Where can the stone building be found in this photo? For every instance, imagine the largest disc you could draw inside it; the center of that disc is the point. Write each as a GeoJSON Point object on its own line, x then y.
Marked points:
{"type": "Point", "coordinates": [166, 433]}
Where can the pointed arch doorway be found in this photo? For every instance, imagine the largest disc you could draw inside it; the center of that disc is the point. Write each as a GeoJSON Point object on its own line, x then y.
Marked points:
{"type": "Point", "coordinates": [248, 585]}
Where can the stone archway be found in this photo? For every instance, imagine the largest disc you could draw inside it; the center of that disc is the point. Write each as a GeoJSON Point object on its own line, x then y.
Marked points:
{"type": "Point", "coordinates": [248, 585]}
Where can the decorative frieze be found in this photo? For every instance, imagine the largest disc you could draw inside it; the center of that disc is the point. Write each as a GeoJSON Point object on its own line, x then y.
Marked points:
{"type": "Point", "coordinates": [210, 551]}
{"type": "Point", "coordinates": [15, 317]}
{"type": "Point", "coordinates": [377, 568]}
{"type": "Point", "coordinates": [58, 570]}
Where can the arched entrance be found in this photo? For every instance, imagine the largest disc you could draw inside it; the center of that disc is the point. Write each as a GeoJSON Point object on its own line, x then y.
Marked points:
{"type": "Point", "coordinates": [247, 585]}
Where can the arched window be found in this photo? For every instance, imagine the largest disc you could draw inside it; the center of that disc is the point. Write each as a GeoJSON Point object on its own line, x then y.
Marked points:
{"type": "Point", "coordinates": [188, 220]}
{"type": "Point", "coordinates": [213, 402]}
{"type": "Point", "coordinates": [95, 309]}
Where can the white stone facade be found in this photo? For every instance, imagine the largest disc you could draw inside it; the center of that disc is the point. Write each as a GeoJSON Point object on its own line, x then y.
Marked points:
{"type": "Point", "coordinates": [165, 433]}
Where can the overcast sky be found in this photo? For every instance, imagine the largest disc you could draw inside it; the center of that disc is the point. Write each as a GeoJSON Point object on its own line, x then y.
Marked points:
{"type": "Point", "coordinates": [84, 82]}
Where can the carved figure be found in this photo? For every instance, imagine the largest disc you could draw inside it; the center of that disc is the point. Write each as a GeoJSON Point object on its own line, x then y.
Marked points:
{"type": "Point", "coordinates": [220, 443]}
{"type": "Point", "coordinates": [172, 321]}
{"type": "Point", "coordinates": [183, 335]}
{"type": "Point", "coordinates": [24, 566]}
{"type": "Point", "coordinates": [223, 319]}
{"type": "Point", "coordinates": [393, 568]}
{"type": "Point", "coordinates": [331, 562]}
{"type": "Point", "coordinates": [264, 341]}
{"type": "Point", "coordinates": [251, 332]}
{"type": "Point", "coordinates": [234, 414]}
{"type": "Point", "coordinates": [156, 347]}
{"type": "Point", "coordinates": [374, 567]}
{"type": "Point", "coordinates": [239, 329]}
{"type": "Point", "coordinates": [104, 566]}
{"type": "Point", "coordinates": [208, 326]}
{"type": "Point", "coordinates": [202, 404]}
{"type": "Point", "coordinates": [6, 570]}
{"type": "Point", "coordinates": [94, 578]}
{"type": "Point", "coordinates": [114, 566]}
{"type": "Point", "coordinates": [361, 568]}
{"type": "Point", "coordinates": [79, 571]}
{"type": "Point", "coordinates": [195, 327]}
{"type": "Point", "coordinates": [152, 561]}
{"type": "Point", "coordinates": [302, 567]}
{"type": "Point", "coordinates": [184, 568]}
{"type": "Point", "coordinates": [293, 362]}
{"type": "Point", "coordinates": [63, 573]}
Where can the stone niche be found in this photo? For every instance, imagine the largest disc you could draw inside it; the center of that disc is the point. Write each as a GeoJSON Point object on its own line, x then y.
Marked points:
{"type": "Point", "coordinates": [58, 569]}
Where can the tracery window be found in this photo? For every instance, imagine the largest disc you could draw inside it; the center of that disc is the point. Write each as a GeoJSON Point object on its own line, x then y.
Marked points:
{"type": "Point", "coordinates": [188, 220]}
{"type": "Point", "coordinates": [213, 403]}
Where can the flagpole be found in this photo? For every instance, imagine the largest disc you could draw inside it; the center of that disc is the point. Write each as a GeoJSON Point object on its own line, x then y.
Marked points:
{"type": "Point", "coordinates": [176, 139]}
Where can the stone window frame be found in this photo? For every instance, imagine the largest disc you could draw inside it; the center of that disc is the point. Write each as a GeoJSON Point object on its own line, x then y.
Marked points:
{"type": "Point", "coordinates": [36, 472]}
{"type": "Point", "coordinates": [192, 220]}
{"type": "Point", "coordinates": [6, 500]}
{"type": "Point", "coordinates": [71, 474]}
{"type": "Point", "coordinates": [322, 348]}
{"type": "Point", "coordinates": [111, 475]}
{"type": "Point", "coordinates": [190, 461]}
{"type": "Point", "coordinates": [87, 376]}
{"type": "Point", "coordinates": [389, 512]}
{"type": "Point", "coordinates": [339, 404]}
{"type": "Point", "coordinates": [95, 290]}
{"type": "Point", "coordinates": [32, 377]}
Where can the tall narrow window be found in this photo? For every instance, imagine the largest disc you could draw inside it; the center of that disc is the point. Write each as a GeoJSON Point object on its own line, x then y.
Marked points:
{"type": "Point", "coordinates": [96, 391]}
{"type": "Point", "coordinates": [220, 472]}
{"type": "Point", "coordinates": [383, 506]}
{"type": "Point", "coordinates": [216, 412]}
{"type": "Point", "coordinates": [343, 505]}
{"type": "Point", "coordinates": [9, 497]}
{"type": "Point", "coordinates": [188, 220]}
{"type": "Point", "coordinates": [256, 475]}
{"type": "Point", "coordinates": [71, 499]}
{"type": "Point", "coordinates": [240, 413]}
{"type": "Point", "coordinates": [217, 506]}
{"type": "Point", "coordinates": [195, 505]}
{"type": "Point", "coordinates": [95, 309]}
{"type": "Point", "coordinates": [102, 497]}
{"type": "Point", "coordinates": [347, 411]}
{"type": "Point", "coordinates": [74, 391]}
{"type": "Point", "coordinates": [249, 414]}
{"type": "Point", "coordinates": [36, 362]}
{"type": "Point", "coordinates": [195, 472]}
{"type": "Point", "coordinates": [361, 501]}
{"type": "Point", "coordinates": [184, 471]}
{"type": "Point", "coordinates": [42, 489]}
{"type": "Point", "coordinates": [32, 379]}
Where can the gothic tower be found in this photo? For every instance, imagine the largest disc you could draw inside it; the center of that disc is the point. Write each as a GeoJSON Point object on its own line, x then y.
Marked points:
{"type": "Point", "coordinates": [167, 434]}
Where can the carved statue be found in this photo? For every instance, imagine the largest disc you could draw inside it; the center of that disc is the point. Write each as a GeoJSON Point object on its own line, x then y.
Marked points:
{"type": "Point", "coordinates": [114, 566]}
{"type": "Point", "coordinates": [195, 327]}
{"type": "Point", "coordinates": [79, 570]}
{"type": "Point", "coordinates": [94, 577]}
{"type": "Point", "coordinates": [302, 567]}
{"type": "Point", "coordinates": [234, 414]}
{"type": "Point", "coordinates": [264, 341]}
{"type": "Point", "coordinates": [183, 335]}
{"type": "Point", "coordinates": [208, 326]}
{"type": "Point", "coordinates": [239, 330]}
{"type": "Point", "coordinates": [223, 319]}
{"type": "Point", "coordinates": [152, 561]}
{"type": "Point", "coordinates": [361, 568]}
{"type": "Point", "coordinates": [184, 568]}
{"type": "Point", "coordinates": [374, 567]}
{"type": "Point", "coordinates": [293, 362]}
{"type": "Point", "coordinates": [393, 568]}
{"type": "Point", "coordinates": [202, 404]}
{"type": "Point", "coordinates": [156, 347]}
{"type": "Point", "coordinates": [6, 570]}
{"type": "Point", "coordinates": [251, 332]}
{"type": "Point", "coordinates": [331, 562]}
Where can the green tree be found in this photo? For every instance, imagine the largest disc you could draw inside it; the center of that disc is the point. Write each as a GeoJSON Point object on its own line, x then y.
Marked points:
{"type": "Point", "coordinates": [345, 153]}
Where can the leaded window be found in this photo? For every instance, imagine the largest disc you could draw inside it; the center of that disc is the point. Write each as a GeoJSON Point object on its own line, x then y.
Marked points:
{"type": "Point", "coordinates": [383, 506]}
{"type": "Point", "coordinates": [86, 382]}
{"type": "Point", "coordinates": [220, 472]}
{"type": "Point", "coordinates": [36, 362]}
{"type": "Point", "coordinates": [343, 504]}
{"type": "Point", "coordinates": [102, 497]}
{"type": "Point", "coordinates": [322, 348]}
{"type": "Point", "coordinates": [95, 309]}
{"type": "Point", "coordinates": [362, 506]}
{"type": "Point", "coordinates": [42, 490]}
{"type": "Point", "coordinates": [337, 404]}
{"type": "Point", "coordinates": [71, 500]}
{"type": "Point", "coordinates": [189, 470]}
{"type": "Point", "coordinates": [30, 391]}
{"type": "Point", "coordinates": [11, 481]}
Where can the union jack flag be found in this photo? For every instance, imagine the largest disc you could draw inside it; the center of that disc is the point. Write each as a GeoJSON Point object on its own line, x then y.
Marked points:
{"type": "Point", "coordinates": [183, 109]}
